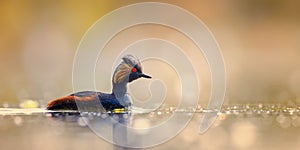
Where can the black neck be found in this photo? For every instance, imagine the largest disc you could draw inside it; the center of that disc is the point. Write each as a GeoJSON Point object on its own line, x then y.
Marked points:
{"type": "Point", "coordinates": [119, 89]}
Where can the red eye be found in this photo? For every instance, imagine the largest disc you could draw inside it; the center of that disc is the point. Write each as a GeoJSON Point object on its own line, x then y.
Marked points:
{"type": "Point", "coordinates": [134, 70]}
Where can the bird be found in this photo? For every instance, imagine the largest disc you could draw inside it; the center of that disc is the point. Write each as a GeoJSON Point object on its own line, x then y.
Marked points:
{"type": "Point", "coordinates": [128, 70]}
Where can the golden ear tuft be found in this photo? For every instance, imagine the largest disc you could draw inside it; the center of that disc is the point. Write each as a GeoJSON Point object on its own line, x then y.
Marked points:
{"type": "Point", "coordinates": [122, 73]}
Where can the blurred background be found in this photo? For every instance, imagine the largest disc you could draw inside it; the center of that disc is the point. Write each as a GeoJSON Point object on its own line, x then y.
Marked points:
{"type": "Point", "coordinates": [259, 39]}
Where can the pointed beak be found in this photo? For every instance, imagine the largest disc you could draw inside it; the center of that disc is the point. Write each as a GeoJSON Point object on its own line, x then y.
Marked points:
{"type": "Point", "coordinates": [144, 76]}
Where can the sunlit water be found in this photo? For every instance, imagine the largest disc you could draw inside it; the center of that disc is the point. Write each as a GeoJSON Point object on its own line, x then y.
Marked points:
{"type": "Point", "coordinates": [237, 127]}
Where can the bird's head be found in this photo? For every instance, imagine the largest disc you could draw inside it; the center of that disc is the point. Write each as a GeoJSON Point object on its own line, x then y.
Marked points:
{"type": "Point", "coordinates": [128, 70]}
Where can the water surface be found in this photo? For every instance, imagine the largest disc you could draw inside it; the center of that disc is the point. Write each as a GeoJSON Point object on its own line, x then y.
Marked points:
{"type": "Point", "coordinates": [238, 127]}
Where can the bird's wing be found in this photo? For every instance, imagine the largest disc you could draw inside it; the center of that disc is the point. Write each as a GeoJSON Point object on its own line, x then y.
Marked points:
{"type": "Point", "coordinates": [69, 102]}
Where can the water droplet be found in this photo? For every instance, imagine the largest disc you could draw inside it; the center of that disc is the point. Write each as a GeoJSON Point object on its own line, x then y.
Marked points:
{"type": "Point", "coordinates": [125, 116]}
{"type": "Point", "coordinates": [48, 115]}
{"type": "Point", "coordinates": [265, 114]}
{"type": "Point", "coordinates": [236, 112]}
{"type": "Point", "coordinates": [284, 121]}
{"type": "Point", "coordinates": [151, 114]}
{"type": "Point", "coordinates": [82, 121]}
{"type": "Point", "coordinates": [172, 109]}
{"type": "Point", "coordinates": [91, 117]}
{"type": "Point", "coordinates": [104, 115]}
{"type": "Point", "coordinates": [247, 107]}
{"type": "Point", "coordinates": [228, 112]}
{"type": "Point", "coordinates": [5, 105]}
{"type": "Point", "coordinates": [57, 114]}
{"type": "Point", "coordinates": [116, 117]}
{"type": "Point", "coordinates": [18, 120]}
{"type": "Point", "coordinates": [280, 118]}
{"type": "Point", "coordinates": [222, 117]}
{"type": "Point", "coordinates": [98, 114]}
{"type": "Point", "coordinates": [249, 112]}
{"type": "Point", "coordinates": [159, 113]}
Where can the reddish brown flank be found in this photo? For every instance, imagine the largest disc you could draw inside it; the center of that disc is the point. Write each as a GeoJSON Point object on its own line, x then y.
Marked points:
{"type": "Point", "coordinates": [59, 101]}
{"type": "Point", "coordinates": [68, 102]}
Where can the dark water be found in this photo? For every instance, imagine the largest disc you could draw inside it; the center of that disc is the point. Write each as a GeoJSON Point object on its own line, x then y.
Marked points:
{"type": "Point", "coordinates": [238, 127]}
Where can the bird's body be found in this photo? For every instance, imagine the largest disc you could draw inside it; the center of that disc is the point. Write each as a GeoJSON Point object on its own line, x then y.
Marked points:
{"type": "Point", "coordinates": [90, 98]}
{"type": "Point", "coordinates": [127, 71]}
